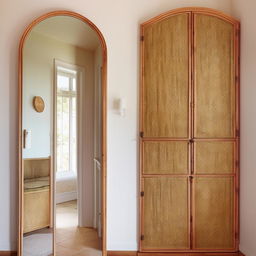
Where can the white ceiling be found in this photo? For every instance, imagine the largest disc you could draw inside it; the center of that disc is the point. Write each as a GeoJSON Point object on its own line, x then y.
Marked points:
{"type": "Point", "coordinates": [69, 30]}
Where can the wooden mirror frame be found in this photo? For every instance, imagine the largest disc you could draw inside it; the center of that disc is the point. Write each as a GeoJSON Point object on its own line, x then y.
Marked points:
{"type": "Point", "coordinates": [103, 128]}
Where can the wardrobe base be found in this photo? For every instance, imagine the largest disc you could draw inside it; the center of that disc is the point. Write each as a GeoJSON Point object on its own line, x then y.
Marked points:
{"type": "Point", "coordinates": [189, 254]}
{"type": "Point", "coordinates": [8, 253]}
{"type": "Point", "coordinates": [135, 253]}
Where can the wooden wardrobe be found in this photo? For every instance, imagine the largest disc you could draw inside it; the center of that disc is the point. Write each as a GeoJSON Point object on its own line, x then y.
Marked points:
{"type": "Point", "coordinates": [189, 132]}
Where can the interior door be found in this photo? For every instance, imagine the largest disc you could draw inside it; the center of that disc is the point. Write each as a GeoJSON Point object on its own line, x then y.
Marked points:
{"type": "Point", "coordinates": [166, 213]}
{"type": "Point", "coordinates": [214, 212]}
{"type": "Point", "coordinates": [215, 142]}
{"type": "Point", "coordinates": [165, 131]}
{"type": "Point", "coordinates": [166, 78]}
{"type": "Point", "coordinates": [214, 77]}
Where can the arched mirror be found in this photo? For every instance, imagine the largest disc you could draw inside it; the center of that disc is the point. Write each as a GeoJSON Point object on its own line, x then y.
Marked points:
{"type": "Point", "coordinates": [62, 81]}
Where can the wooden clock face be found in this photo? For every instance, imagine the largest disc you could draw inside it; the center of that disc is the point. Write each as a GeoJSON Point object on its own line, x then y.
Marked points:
{"type": "Point", "coordinates": [38, 104]}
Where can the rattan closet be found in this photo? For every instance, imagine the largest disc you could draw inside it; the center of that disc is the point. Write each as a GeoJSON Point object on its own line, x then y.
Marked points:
{"type": "Point", "coordinates": [189, 132]}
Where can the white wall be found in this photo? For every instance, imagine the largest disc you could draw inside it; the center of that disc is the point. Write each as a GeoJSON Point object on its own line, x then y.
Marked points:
{"type": "Point", "coordinates": [244, 10]}
{"type": "Point", "coordinates": [37, 81]}
{"type": "Point", "coordinates": [119, 22]}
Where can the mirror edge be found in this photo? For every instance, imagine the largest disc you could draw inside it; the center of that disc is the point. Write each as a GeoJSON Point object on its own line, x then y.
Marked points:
{"type": "Point", "coordinates": [103, 131]}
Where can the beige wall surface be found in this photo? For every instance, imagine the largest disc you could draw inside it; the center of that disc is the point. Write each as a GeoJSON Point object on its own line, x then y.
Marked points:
{"type": "Point", "coordinates": [244, 10]}
{"type": "Point", "coordinates": [119, 22]}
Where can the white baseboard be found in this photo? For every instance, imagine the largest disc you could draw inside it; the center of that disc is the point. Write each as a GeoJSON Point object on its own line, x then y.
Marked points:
{"type": "Point", "coordinates": [66, 196]}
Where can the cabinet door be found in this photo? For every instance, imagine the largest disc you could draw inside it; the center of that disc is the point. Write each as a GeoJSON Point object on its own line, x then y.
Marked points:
{"type": "Point", "coordinates": [189, 144]}
{"type": "Point", "coordinates": [213, 213]}
{"type": "Point", "coordinates": [165, 72]}
{"type": "Point", "coordinates": [214, 77]}
{"type": "Point", "coordinates": [214, 157]}
{"type": "Point", "coordinates": [165, 157]}
{"type": "Point", "coordinates": [214, 154]}
{"type": "Point", "coordinates": [165, 213]}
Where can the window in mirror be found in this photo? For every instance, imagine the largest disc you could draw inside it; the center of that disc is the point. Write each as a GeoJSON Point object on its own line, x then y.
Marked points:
{"type": "Point", "coordinates": [66, 122]}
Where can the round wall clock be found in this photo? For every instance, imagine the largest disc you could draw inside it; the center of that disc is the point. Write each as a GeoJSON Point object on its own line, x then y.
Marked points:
{"type": "Point", "coordinates": [38, 104]}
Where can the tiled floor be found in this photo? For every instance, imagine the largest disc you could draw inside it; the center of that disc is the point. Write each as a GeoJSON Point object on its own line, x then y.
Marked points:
{"type": "Point", "coordinates": [70, 239]}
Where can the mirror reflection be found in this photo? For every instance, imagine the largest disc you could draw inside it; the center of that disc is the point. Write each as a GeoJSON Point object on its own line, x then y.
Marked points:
{"type": "Point", "coordinates": [62, 140]}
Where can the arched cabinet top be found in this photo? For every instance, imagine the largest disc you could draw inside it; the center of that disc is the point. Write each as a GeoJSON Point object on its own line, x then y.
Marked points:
{"type": "Point", "coordinates": [192, 10]}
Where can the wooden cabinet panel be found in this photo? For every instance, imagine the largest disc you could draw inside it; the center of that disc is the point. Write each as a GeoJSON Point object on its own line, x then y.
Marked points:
{"type": "Point", "coordinates": [166, 78]}
{"type": "Point", "coordinates": [189, 123]}
{"type": "Point", "coordinates": [165, 157]}
{"type": "Point", "coordinates": [165, 213]}
{"type": "Point", "coordinates": [214, 157]}
{"type": "Point", "coordinates": [214, 77]}
{"type": "Point", "coordinates": [213, 202]}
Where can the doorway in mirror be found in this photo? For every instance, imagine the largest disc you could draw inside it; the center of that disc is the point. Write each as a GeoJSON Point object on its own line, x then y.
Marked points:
{"type": "Point", "coordinates": [62, 147]}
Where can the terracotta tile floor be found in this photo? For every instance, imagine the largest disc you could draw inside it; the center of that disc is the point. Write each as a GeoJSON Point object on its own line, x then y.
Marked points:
{"type": "Point", "coordinates": [70, 239]}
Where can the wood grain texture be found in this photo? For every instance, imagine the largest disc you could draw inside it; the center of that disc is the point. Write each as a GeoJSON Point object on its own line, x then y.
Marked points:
{"type": "Point", "coordinates": [165, 157]}
{"type": "Point", "coordinates": [188, 254]}
{"type": "Point", "coordinates": [213, 213]}
{"type": "Point", "coordinates": [212, 122]}
{"type": "Point", "coordinates": [214, 157]}
{"type": "Point", "coordinates": [214, 77]}
{"type": "Point", "coordinates": [38, 104]}
{"type": "Point", "coordinates": [203, 10]}
{"type": "Point", "coordinates": [166, 213]}
{"type": "Point", "coordinates": [166, 78]}
{"type": "Point", "coordinates": [8, 253]}
{"type": "Point", "coordinates": [122, 253]}
{"type": "Point", "coordinates": [135, 253]}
